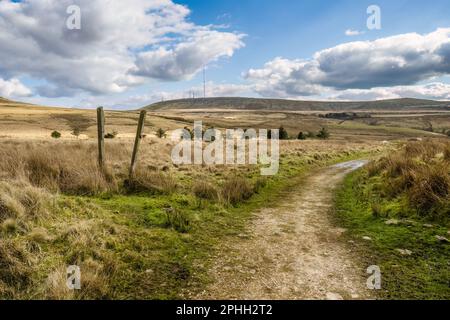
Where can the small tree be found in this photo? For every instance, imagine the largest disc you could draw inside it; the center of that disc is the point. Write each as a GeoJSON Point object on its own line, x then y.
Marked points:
{"type": "Point", "coordinates": [76, 132]}
{"type": "Point", "coordinates": [283, 134]}
{"type": "Point", "coordinates": [56, 135]}
{"type": "Point", "coordinates": [301, 136]}
{"type": "Point", "coordinates": [161, 133]}
{"type": "Point", "coordinates": [323, 134]}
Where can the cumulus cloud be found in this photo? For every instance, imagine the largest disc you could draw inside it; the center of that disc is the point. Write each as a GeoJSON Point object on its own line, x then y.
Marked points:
{"type": "Point", "coordinates": [187, 58]}
{"type": "Point", "coordinates": [393, 61]}
{"type": "Point", "coordinates": [435, 90]}
{"type": "Point", "coordinates": [352, 33]}
{"type": "Point", "coordinates": [112, 50]}
{"type": "Point", "coordinates": [13, 88]}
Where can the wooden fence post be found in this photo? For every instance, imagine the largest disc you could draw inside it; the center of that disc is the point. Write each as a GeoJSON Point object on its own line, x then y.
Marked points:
{"type": "Point", "coordinates": [101, 136]}
{"type": "Point", "coordinates": [140, 129]}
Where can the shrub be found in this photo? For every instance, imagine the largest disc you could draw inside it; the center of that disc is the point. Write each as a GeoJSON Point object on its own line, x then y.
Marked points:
{"type": "Point", "coordinates": [56, 135]}
{"type": "Point", "coordinates": [323, 134]}
{"type": "Point", "coordinates": [161, 133]}
{"type": "Point", "coordinates": [283, 134]}
{"type": "Point", "coordinates": [236, 190]}
{"type": "Point", "coordinates": [301, 136]}
{"type": "Point", "coordinates": [76, 132]}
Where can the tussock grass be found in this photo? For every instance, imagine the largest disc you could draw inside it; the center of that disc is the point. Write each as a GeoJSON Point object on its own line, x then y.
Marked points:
{"type": "Point", "coordinates": [236, 189]}
{"type": "Point", "coordinates": [153, 182]}
{"type": "Point", "coordinates": [420, 172]}
{"type": "Point", "coordinates": [205, 190]}
{"type": "Point", "coordinates": [68, 168]}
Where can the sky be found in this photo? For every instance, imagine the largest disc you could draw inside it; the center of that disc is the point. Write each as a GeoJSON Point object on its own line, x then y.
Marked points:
{"type": "Point", "coordinates": [128, 54]}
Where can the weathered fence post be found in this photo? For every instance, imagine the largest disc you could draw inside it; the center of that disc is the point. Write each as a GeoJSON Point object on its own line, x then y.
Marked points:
{"type": "Point", "coordinates": [140, 129]}
{"type": "Point", "coordinates": [101, 136]}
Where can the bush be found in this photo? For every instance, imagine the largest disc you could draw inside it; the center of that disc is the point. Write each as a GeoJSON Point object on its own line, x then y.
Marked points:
{"type": "Point", "coordinates": [76, 132]}
{"type": "Point", "coordinates": [56, 135]}
{"type": "Point", "coordinates": [236, 190]}
{"type": "Point", "coordinates": [323, 134]}
{"type": "Point", "coordinates": [161, 133]}
{"type": "Point", "coordinates": [301, 136]}
{"type": "Point", "coordinates": [283, 134]}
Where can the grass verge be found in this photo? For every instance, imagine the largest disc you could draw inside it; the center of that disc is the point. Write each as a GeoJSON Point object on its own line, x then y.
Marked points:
{"type": "Point", "coordinates": [413, 262]}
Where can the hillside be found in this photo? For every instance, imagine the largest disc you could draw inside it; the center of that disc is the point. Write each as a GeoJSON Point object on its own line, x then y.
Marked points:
{"type": "Point", "coordinates": [295, 105]}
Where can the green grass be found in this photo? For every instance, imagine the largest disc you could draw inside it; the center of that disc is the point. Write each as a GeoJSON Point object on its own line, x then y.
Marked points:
{"type": "Point", "coordinates": [137, 246]}
{"type": "Point", "coordinates": [425, 274]}
{"type": "Point", "coordinates": [159, 262]}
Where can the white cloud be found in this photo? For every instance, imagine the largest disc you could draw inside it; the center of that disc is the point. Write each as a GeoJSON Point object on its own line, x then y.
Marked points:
{"type": "Point", "coordinates": [188, 58]}
{"type": "Point", "coordinates": [393, 61]}
{"type": "Point", "coordinates": [435, 90]}
{"type": "Point", "coordinates": [352, 33]}
{"type": "Point", "coordinates": [110, 53]}
{"type": "Point", "coordinates": [13, 88]}
{"type": "Point", "coordinates": [140, 100]}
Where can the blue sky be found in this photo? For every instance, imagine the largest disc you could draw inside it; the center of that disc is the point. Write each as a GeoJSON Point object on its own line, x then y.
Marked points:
{"type": "Point", "coordinates": [255, 48]}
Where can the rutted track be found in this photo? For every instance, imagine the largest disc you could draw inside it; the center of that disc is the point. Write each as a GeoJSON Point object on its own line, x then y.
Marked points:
{"type": "Point", "coordinates": [292, 251]}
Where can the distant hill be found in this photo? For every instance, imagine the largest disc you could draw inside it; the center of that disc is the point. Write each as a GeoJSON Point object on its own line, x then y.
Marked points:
{"type": "Point", "coordinates": [296, 105]}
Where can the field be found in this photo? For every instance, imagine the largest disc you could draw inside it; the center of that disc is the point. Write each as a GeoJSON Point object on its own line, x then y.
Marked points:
{"type": "Point", "coordinates": [156, 236]}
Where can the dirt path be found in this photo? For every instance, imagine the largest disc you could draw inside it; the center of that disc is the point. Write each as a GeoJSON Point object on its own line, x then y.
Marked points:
{"type": "Point", "coordinates": [292, 251]}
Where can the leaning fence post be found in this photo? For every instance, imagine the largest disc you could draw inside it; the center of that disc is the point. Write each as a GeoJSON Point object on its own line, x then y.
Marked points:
{"type": "Point", "coordinates": [140, 129]}
{"type": "Point", "coordinates": [101, 136]}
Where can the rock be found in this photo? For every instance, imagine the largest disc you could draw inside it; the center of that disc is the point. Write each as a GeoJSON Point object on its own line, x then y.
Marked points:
{"type": "Point", "coordinates": [392, 222]}
{"type": "Point", "coordinates": [404, 252]}
{"type": "Point", "coordinates": [334, 296]}
{"type": "Point", "coordinates": [367, 238]}
{"type": "Point", "coordinates": [442, 239]}
{"type": "Point", "coordinates": [428, 225]}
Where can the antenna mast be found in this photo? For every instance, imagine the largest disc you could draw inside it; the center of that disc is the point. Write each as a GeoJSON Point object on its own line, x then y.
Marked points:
{"type": "Point", "coordinates": [204, 82]}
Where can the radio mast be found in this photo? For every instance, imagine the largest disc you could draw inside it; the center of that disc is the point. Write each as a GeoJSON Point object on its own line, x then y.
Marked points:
{"type": "Point", "coordinates": [204, 82]}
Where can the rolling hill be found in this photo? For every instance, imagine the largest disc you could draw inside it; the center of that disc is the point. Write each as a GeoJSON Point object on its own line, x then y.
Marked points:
{"type": "Point", "coordinates": [296, 105]}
